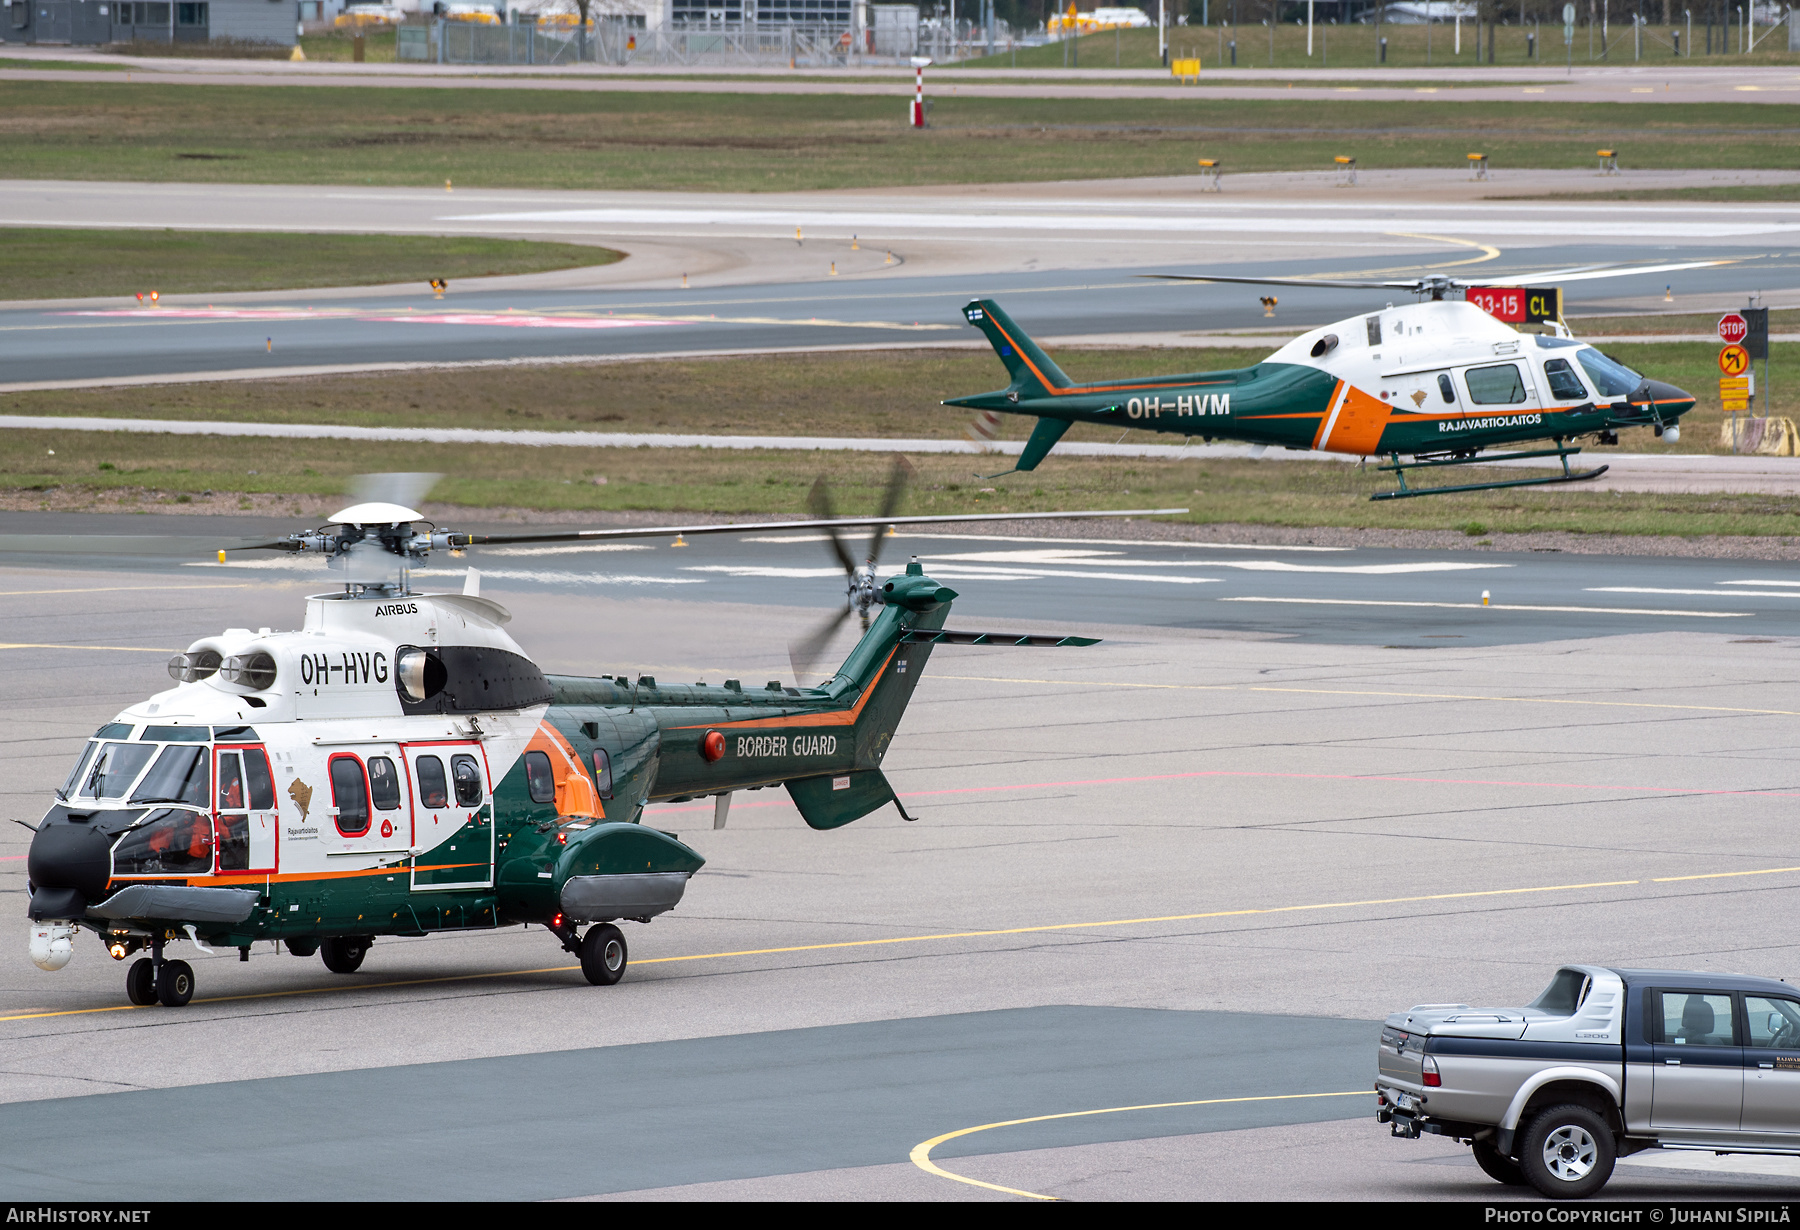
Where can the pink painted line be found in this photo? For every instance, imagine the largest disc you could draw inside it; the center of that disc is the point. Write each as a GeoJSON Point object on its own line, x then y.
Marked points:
{"type": "Point", "coordinates": [525, 322]}
{"type": "Point", "coordinates": [1325, 777]}
{"type": "Point", "coordinates": [12, 858]}
{"type": "Point", "coordinates": [509, 320]}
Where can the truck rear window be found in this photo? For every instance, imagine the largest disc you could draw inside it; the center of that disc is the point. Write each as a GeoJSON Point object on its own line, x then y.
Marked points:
{"type": "Point", "coordinates": [1564, 994]}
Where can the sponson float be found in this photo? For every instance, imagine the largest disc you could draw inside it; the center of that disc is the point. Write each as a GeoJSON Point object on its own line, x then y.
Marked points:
{"type": "Point", "coordinates": [399, 766]}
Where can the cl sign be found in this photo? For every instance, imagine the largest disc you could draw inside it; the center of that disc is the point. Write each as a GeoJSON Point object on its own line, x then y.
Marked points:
{"type": "Point", "coordinates": [1733, 328]}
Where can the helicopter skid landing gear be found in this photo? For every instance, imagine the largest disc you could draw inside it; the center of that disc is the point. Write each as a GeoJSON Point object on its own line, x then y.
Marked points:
{"type": "Point", "coordinates": [603, 955]}
{"type": "Point", "coordinates": [1563, 454]}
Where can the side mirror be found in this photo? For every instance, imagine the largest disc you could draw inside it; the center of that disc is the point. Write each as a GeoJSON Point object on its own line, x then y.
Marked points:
{"type": "Point", "coordinates": [1777, 1023]}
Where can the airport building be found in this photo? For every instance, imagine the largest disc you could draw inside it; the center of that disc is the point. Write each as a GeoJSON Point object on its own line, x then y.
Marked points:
{"type": "Point", "coordinates": [91, 22]}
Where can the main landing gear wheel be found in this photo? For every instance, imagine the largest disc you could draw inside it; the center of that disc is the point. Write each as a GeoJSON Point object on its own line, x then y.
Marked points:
{"type": "Point", "coordinates": [174, 984]}
{"type": "Point", "coordinates": [140, 982]}
{"type": "Point", "coordinates": [603, 955]}
{"type": "Point", "coordinates": [344, 954]}
{"type": "Point", "coordinates": [1497, 1166]}
{"type": "Point", "coordinates": [1568, 1153]}
{"type": "Point", "coordinates": [302, 948]}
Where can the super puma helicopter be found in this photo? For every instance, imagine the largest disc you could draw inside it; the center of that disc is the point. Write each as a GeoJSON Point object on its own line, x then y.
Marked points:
{"type": "Point", "coordinates": [1436, 382]}
{"type": "Point", "coordinates": [400, 766]}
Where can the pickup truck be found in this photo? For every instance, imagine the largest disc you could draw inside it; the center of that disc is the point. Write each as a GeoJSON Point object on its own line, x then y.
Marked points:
{"type": "Point", "coordinates": [1606, 1062]}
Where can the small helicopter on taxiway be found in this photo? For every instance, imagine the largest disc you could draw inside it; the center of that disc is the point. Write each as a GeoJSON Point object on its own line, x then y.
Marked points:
{"type": "Point", "coordinates": [400, 766]}
{"type": "Point", "coordinates": [1435, 382]}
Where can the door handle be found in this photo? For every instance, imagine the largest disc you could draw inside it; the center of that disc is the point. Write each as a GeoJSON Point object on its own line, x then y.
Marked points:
{"type": "Point", "coordinates": [1765, 1065]}
{"type": "Point", "coordinates": [1673, 1063]}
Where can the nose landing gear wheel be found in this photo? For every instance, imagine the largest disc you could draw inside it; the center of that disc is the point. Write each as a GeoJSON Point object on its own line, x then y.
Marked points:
{"type": "Point", "coordinates": [174, 984]}
{"type": "Point", "coordinates": [140, 982]}
{"type": "Point", "coordinates": [344, 954]}
{"type": "Point", "coordinates": [603, 955]}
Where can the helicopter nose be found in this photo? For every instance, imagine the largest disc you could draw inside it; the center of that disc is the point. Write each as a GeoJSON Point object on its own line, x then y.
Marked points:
{"type": "Point", "coordinates": [1666, 399]}
{"type": "Point", "coordinates": [69, 864]}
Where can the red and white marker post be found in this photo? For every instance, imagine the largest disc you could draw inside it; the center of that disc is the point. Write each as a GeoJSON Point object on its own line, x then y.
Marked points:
{"type": "Point", "coordinates": [918, 101]}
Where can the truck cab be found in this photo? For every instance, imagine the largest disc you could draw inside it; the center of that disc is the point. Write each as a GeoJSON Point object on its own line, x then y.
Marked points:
{"type": "Point", "coordinates": [1604, 1063]}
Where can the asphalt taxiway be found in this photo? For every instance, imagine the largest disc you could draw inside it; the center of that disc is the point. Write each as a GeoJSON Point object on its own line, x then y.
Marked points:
{"type": "Point", "coordinates": [1189, 865]}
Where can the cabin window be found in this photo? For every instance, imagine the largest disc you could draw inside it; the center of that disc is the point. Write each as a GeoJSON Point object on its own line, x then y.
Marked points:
{"type": "Point", "coordinates": [259, 780]}
{"type": "Point", "coordinates": [350, 795]}
{"type": "Point", "coordinates": [467, 775]}
{"type": "Point", "coordinates": [180, 775]}
{"type": "Point", "coordinates": [1499, 385]}
{"type": "Point", "coordinates": [1695, 1019]}
{"type": "Point", "coordinates": [384, 783]}
{"type": "Point", "coordinates": [231, 782]}
{"type": "Point", "coordinates": [538, 778]}
{"type": "Point", "coordinates": [166, 842]}
{"type": "Point", "coordinates": [1373, 323]}
{"type": "Point", "coordinates": [1565, 385]}
{"type": "Point", "coordinates": [434, 788]}
{"type": "Point", "coordinates": [603, 772]}
{"type": "Point", "coordinates": [1446, 390]}
{"type": "Point", "coordinates": [113, 770]}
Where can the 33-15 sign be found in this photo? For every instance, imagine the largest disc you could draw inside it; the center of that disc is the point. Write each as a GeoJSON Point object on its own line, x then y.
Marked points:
{"type": "Point", "coordinates": [1519, 305]}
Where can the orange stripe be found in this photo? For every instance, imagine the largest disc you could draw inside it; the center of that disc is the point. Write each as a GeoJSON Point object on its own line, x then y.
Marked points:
{"type": "Point", "coordinates": [1095, 388]}
{"type": "Point", "coordinates": [837, 717]}
{"type": "Point", "coordinates": [298, 877]}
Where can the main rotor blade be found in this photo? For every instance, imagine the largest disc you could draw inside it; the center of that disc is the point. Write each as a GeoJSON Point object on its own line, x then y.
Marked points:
{"type": "Point", "coordinates": [805, 651]}
{"type": "Point", "coordinates": [1584, 273]}
{"type": "Point", "coordinates": [819, 500]}
{"type": "Point", "coordinates": [890, 504]}
{"type": "Point", "coordinates": [459, 541]}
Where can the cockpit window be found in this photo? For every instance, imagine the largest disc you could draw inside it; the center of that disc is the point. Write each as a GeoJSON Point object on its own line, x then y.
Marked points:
{"type": "Point", "coordinates": [1565, 385]}
{"type": "Point", "coordinates": [180, 775]}
{"type": "Point", "coordinates": [169, 841]}
{"type": "Point", "coordinates": [75, 774]}
{"type": "Point", "coordinates": [1564, 994]}
{"type": "Point", "coordinates": [113, 769]}
{"type": "Point", "coordinates": [1610, 376]}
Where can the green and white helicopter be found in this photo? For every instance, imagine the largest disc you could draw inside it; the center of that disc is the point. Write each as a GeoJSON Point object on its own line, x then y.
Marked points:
{"type": "Point", "coordinates": [1424, 385]}
{"type": "Point", "coordinates": [399, 765]}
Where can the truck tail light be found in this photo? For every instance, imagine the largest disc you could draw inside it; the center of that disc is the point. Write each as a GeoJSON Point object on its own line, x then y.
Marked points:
{"type": "Point", "coordinates": [1430, 1070]}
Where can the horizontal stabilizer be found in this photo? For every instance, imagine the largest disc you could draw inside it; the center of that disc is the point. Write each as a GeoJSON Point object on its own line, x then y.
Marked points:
{"type": "Point", "coordinates": [939, 636]}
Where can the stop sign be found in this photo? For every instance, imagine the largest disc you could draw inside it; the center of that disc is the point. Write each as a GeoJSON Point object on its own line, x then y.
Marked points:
{"type": "Point", "coordinates": [1733, 328]}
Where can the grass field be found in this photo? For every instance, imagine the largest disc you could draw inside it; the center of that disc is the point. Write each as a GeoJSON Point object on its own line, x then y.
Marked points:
{"type": "Point", "coordinates": [1722, 192]}
{"type": "Point", "coordinates": [860, 394]}
{"type": "Point", "coordinates": [529, 138]}
{"type": "Point", "coordinates": [846, 394]}
{"type": "Point", "coordinates": [104, 472]}
{"type": "Point", "coordinates": [1355, 46]}
{"type": "Point", "coordinates": [43, 263]}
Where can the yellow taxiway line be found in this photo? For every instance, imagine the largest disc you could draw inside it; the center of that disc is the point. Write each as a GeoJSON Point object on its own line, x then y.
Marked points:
{"type": "Point", "coordinates": [939, 937]}
{"type": "Point", "coordinates": [921, 1154]}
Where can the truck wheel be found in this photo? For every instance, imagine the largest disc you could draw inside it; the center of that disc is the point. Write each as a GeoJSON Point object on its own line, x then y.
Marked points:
{"type": "Point", "coordinates": [1497, 1166]}
{"type": "Point", "coordinates": [1568, 1153]}
{"type": "Point", "coordinates": [603, 955]}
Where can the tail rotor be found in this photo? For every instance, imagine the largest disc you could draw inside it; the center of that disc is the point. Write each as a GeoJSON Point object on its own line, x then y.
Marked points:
{"type": "Point", "coordinates": [861, 594]}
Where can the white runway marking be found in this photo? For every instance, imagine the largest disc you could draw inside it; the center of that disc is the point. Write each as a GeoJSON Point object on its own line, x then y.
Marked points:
{"type": "Point", "coordinates": [1091, 558]}
{"type": "Point", "coordinates": [576, 550]}
{"type": "Point", "coordinates": [1501, 606]}
{"type": "Point", "coordinates": [1794, 583]}
{"type": "Point", "coordinates": [952, 572]}
{"type": "Point", "coordinates": [1699, 593]}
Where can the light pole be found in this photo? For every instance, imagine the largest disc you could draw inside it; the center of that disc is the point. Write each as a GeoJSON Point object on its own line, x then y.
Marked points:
{"type": "Point", "coordinates": [1309, 24]}
{"type": "Point", "coordinates": [1162, 31]}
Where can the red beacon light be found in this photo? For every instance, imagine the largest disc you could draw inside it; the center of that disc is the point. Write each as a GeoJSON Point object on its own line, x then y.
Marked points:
{"type": "Point", "coordinates": [712, 747]}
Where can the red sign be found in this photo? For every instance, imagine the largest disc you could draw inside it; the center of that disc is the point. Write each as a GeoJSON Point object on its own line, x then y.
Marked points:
{"type": "Point", "coordinates": [1733, 328]}
{"type": "Point", "coordinates": [1518, 305]}
{"type": "Point", "coordinates": [1501, 302]}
